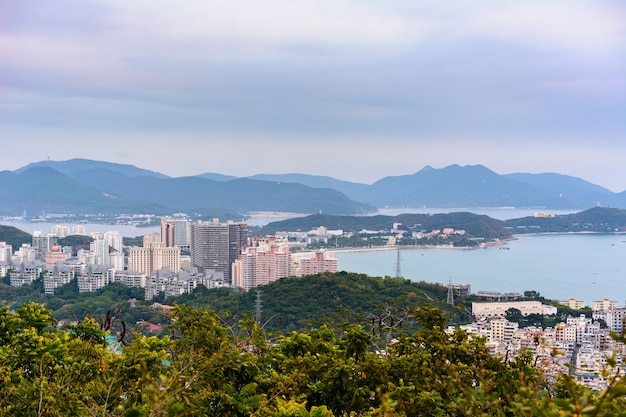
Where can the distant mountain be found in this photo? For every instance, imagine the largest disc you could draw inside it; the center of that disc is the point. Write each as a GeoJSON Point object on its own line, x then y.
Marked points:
{"type": "Point", "coordinates": [573, 190]}
{"type": "Point", "coordinates": [72, 167]}
{"type": "Point", "coordinates": [216, 177]}
{"type": "Point", "coordinates": [468, 186]}
{"type": "Point", "coordinates": [124, 188]}
{"type": "Point", "coordinates": [477, 186]}
{"type": "Point", "coordinates": [317, 181]}
{"type": "Point", "coordinates": [106, 188]}
{"type": "Point", "coordinates": [453, 186]}
{"type": "Point", "coordinates": [45, 189]}
{"type": "Point", "coordinates": [618, 200]}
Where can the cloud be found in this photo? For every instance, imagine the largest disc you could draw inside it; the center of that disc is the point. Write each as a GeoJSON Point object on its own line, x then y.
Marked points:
{"type": "Point", "coordinates": [424, 77]}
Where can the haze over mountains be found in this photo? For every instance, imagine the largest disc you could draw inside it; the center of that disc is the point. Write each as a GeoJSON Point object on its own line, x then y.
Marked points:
{"type": "Point", "coordinates": [87, 186]}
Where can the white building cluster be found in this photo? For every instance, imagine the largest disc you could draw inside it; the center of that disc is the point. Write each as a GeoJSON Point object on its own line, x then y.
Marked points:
{"type": "Point", "coordinates": [579, 346]}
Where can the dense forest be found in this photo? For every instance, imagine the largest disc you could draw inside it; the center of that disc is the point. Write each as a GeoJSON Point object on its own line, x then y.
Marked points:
{"type": "Point", "coordinates": [293, 303]}
{"type": "Point", "coordinates": [202, 367]}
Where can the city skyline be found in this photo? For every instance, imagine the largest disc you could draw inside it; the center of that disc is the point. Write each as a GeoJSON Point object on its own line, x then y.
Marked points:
{"type": "Point", "coordinates": [353, 90]}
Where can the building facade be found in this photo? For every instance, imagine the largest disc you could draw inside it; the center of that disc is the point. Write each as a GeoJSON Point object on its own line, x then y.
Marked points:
{"type": "Point", "coordinates": [153, 256]}
{"type": "Point", "coordinates": [167, 231]}
{"type": "Point", "coordinates": [492, 310]}
{"type": "Point", "coordinates": [260, 265]}
{"type": "Point", "coordinates": [216, 246]}
{"type": "Point", "coordinates": [310, 263]}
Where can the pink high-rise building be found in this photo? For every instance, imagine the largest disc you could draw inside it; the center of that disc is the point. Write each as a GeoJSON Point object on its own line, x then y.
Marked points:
{"type": "Point", "coordinates": [260, 265]}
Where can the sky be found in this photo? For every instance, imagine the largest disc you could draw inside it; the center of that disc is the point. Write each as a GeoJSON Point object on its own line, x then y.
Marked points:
{"type": "Point", "coordinates": [354, 89]}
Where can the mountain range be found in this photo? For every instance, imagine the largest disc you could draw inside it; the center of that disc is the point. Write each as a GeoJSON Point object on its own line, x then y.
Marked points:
{"type": "Point", "coordinates": [87, 186]}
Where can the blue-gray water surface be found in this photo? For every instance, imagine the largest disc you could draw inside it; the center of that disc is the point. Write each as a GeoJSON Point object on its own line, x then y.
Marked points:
{"type": "Point", "coordinates": [587, 267]}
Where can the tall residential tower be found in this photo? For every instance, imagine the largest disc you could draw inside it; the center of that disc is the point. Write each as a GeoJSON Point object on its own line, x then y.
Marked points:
{"type": "Point", "coordinates": [215, 246]}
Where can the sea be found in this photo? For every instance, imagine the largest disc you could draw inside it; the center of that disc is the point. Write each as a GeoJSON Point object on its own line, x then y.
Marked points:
{"type": "Point", "coordinates": [587, 267]}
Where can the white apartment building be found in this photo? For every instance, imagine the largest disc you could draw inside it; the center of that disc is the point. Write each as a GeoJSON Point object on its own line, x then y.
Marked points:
{"type": "Point", "coordinates": [99, 248]}
{"type": "Point", "coordinates": [27, 273]}
{"type": "Point", "coordinates": [26, 254]}
{"type": "Point", "coordinates": [79, 230]}
{"type": "Point", "coordinates": [615, 319]}
{"type": "Point", "coordinates": [133, 279]}
{"type": "Point", "coordinates": [498, 309]}
{"type": "Point", "coordinates": [114, 239]}
{"type": "Point", "coordinates": [6, 253]}
{"type": "Point", "coordinates": [57, 277]}
{"type": "Point", "coordinates": [60, 230]}
{"type": "Point", "coordinates": [97, 276]}
{"type": "Point", "coordinates": [604, 305]}
{"type": "Point", "coordinates": [176, 283]}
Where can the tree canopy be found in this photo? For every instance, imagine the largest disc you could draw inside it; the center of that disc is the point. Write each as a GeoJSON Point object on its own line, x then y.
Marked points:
{"type": "Point", "coordinates": [205, 368]}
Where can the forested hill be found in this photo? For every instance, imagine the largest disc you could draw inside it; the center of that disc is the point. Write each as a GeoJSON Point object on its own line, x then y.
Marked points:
{"type": "Point", "coordinates": [474, 224]}
{"type": "Point", "coordinates": [297, 303]}
{"type": "Point", "coordinates": [14, 236]}
{"type": "Point", "coordinates": [596, 219]}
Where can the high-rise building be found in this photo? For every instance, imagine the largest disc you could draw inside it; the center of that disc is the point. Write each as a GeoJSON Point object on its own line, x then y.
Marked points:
{"type": "Point", "coordinates": [26, 254]}
{"type": "Point", "coordinates": [79, 230]}
{"type": "Point", "coordinates": [153, 256]}
{"type": "Point", "coordinates": [215, 246]}
{"type": "Point", "coordinates": [43, 243]}
{"type": "Point", "coordinates": [167, 231]}
{"type": "Point", "coordinates": [260, 266]}
{"type": "Point", "coordinates": [309, 263]}
{"type": "Point", "coordinates": [6, 252]}
{"type": "Point", "coordinates": [114, 239]}
{"type": "Point", "coordinates": [60, 230]}
{"type": "Point", "coordinates": [182, 233]}
{"type": "Point", "coordinates": [100, 250]}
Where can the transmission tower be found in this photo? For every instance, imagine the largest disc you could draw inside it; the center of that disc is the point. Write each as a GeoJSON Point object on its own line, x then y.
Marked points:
{"type": "Point", "coordinates": [258, 306]}
{"type": "Point", "coordinates": [450, 292]}
{"type": "Point", "coordinates": [398, 261]}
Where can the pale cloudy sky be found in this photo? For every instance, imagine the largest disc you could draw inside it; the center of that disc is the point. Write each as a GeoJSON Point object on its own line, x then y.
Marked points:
{"type": "Point", "coordinates": [353, 89]}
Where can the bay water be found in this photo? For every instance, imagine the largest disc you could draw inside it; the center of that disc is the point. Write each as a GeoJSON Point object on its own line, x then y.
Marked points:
{"type": "Point", "coordinates": [587, 267]}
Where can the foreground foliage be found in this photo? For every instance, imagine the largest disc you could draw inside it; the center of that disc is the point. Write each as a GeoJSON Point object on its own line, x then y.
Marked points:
{"type": "Point", "coordinates": [203, 368]}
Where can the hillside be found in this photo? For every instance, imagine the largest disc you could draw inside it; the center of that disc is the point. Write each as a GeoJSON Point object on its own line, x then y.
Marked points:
{"type": "Point", "coordinates": [40, 189]}
{"type": "Point", "coordinates": [474, 224]}
{"type": "Point", "coordinates": [596, 219]}
{"type": "Point", "coordinates": [299, 303]}
{"type": "Point", "coordinates": [76, 165]}
{"type": "Point", "coordinates": [14, 236]}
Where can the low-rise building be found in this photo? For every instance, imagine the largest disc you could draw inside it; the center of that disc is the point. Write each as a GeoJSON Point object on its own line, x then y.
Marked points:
{"type": "Point", "coordinates": [177, 283]}
{"type": "Point", "coordinates": [604, 305]}
{"type": "Point", "coordinates": [97, 277]}
{"type": "Point", "coordinates": [27, 273]}
{"type": "Point", "coordinates": [133, 279]}
{"type": "Point", "coordinates": [573, 303]}
{"type": "Point", "coordinates": [498, 309]}
{"type": "Point", "coordinates": [58, 276]}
